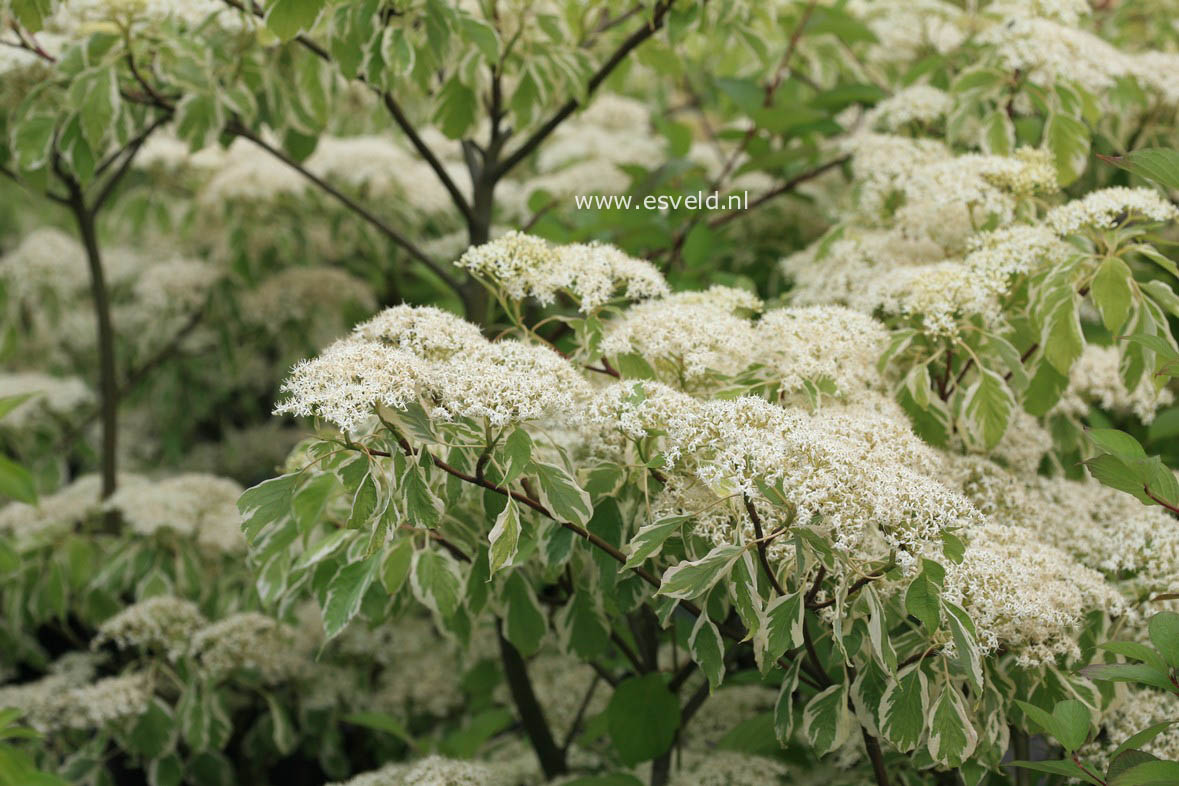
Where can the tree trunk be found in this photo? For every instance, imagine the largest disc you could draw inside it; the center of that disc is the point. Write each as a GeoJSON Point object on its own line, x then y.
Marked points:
{"type": "Point", "coordinates": [108, 384]}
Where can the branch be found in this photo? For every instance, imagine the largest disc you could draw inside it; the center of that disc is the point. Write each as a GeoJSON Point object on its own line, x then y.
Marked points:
{"type": "Point", "coordinates": [762, 549]}
{"type": "Point", "coordinates": [395, 111]}
{"type": "Point", "coordinates": [238, 129]}
{"type": "Point", "coordinates": [876, 756]}
{"type": "Point", "coordinates": [1146, 490]}
{"type": "Point", "coordinates": [585, 701]}
{"type": "Point", "coordinates": [551, 757]}
{"type": "Point", "coordinates": [724, 218]}
{"type": "Point", "coordinates": [735, 633]}
{"type": "Point", "coordinates": [635, 39]}
{"type": "Point", "coordinates": [785, 187]}
{"type": "Point", "coordinates": [129, 151]}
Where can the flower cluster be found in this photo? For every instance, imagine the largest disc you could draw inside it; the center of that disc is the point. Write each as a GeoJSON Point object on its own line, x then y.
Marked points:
{"type": "Point", "coordinates": [162, 622]}
{"type": "Point", "coordinates": [391, 361]}
{"type": "Point", "coordinates": [190, 504]}
{"type": "Point", "coordinates": [591, 274]}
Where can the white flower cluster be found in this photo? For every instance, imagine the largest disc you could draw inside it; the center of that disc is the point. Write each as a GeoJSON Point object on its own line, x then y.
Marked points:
{"type": "Point", "coordinates": [429, 688]}
{"type": "Point", "coordinates": [254, 642]}
{"type": "Point", "coordinates": [51, 399]}
{"type": "Point", "coordinates": [434, 771]}
{"type": "Point", "coordinates": [163, 623]}
{"type": "Point", "coordinates": [1025, 595]}
{"type": "Point", "coordinates": [687, 336]}
{"type": "Point", "coordinates": [905, 29]}
{"type": "Point", "coordinates": [1136, 710]}
{"type": "Point", "coordinates": [592, 274]}
{"type": "Point", "coordinates": [191, 504]}
{"type": "Point", "coordinates": [54, 513]}
{"type": "Point", "coordinates": [821, 343]}
{"type": "Point", "coordinates": [50, 265]}
{"type": "Point", "coordinates": [66, 698]}
{"type": "Point", "coordinates": [1095, 378]}
{"type": "Point", "coordinates": [729, 768]}
{"type": "Point", "coordinates": [941, 293]}
{"type": "Point", "coordinates": [1109, 208]}
{"type": "Point", "coordinates": [380, 365]}
{"type": "Point", "coordinates": [863, 476]}
{"type": "Point", "coordinates": [921, 104]}
{"type": "Point", "coordinates": [313, 300]}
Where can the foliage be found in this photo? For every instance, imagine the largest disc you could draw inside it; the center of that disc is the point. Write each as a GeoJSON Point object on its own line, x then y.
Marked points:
{"type": "Point", "coordinates": [343, 440]}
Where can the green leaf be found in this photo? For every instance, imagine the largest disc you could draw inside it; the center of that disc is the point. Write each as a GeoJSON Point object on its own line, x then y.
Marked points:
{"type": "Point", "coordinates": [345, 592]}
{"type": "Point", "coordinates": [989, 404]}
{"type": "Point", "coordinates": [284, 734]}
{"type": "Point", "coordinates": [364, 502]}
{"type": "Point", "coordinates": [1163, 296]}
{"type": "Point", "coordinates": [904, 707]}
{"type": "Point", "coordinates": [16, 482]}
{"type": "Point", "coordinates": [691, 579]}
{"type": "Point", "coordinates": [1061, 767]}
{"type": "Point", "coordinates": [1112, 293]}
{"type": "Point", "coordinates": [952, 737]}
{"type": "Point", "coordinates": [94, 93]}
{"type": "Point", "coordinates": [154, 732]}
{"type": "Point", "coordinates": [978, 78]}
{"type": "Point", "coordinates": [1074, 721]}
{"type": "Point", "coordinates": [998, 133]}
{"type": "Point", "coordinates": [1158, 165]}
{"type": "Point", "coordinates": [1150, 773]}
{"type": "Point", "coordinates": [1061, 337]}
{"type": "Point", "coordinates": [581, 626]}
{"type": "Point", "coordinates": [395, 565]}
{"type": "Point", "coordinates": [923, 601]}
{"type": "Point", "coordinates": [422, 505]}
{"type": "Point", "coordinates": [1068, 139]}
{"type": "Point", "coordinates": [1164, 635]}
{"type": "Point", "coordinates": [325, 548]}
{"type": "Point", "coordinates": [288, 18]}
{"type": "Point", "coordinates": [1115, 473]}
{"type": "Point", "coordinates": [198, 120]}
{"type": "Point", "coordinates": [483, 36]}
{"type": "Point", "coordinates": [1142, 737]}
{"type": "Point", "coordinates": [967, 656]}
{"type": "Point", "coordinates": [165, 771]}
{"type": "Point", "coordinates": [650, 539]}
{"type": "Point", "coordinates": [524, 622]}
{"type": "Point", "coordinates": [560, 493]}
{"type": "Point", "coordinates": [1046, 721]}
{"type": "Point", "coordinates": [381, 722]}
{"type": "Point", "coordinates": [456, 106]}
{"type": "Point", "coordinates": [642, 718]}
{"type": "Point", "coordinates": [505, 537]}
{"type": "Point", "coordinates": [517, 454]}
{"type": "Point", "coordinates": [780, 630]}
{"type": "Point", "coordinates": [826, 721]}
{"type": "Point", "coordinates": [1129, 672]}
{"type": "Point", "coordinates": [267, 504]}
{"type": "Point", "coordinates": [708, 650]}
{"type": "Point", "coordinates": [310, 501]}
{"type": "Point", "coordinates": [1117, 443]}
{"type": "Point", "coordinates": [436, 581]}
{"type": "Point", "coordinates": [878, 633]}
{"type": "Point", "coordinates": [32, 140]}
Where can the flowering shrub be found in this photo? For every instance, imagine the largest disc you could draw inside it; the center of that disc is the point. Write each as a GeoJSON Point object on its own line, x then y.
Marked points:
{"type": "Point", "coordinates": [341, 443]}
